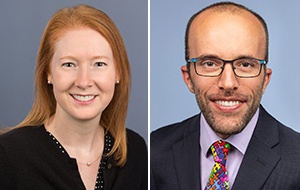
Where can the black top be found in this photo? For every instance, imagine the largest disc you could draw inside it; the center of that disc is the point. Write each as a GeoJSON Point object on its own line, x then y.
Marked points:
{"type": "Point", "coordinates": [30, 160]}
{"type": "Point", "coordinates": [108, 144]}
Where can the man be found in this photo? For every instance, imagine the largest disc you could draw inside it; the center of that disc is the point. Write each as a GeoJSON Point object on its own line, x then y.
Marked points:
{"type": "Point", "coordinates": [226, 54]}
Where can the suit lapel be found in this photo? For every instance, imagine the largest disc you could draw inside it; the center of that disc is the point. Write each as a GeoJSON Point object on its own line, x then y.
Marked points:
{"type": "Point", "coordinates": [260, 158]}
{"type": "Point", "coordinates": [187, 157]}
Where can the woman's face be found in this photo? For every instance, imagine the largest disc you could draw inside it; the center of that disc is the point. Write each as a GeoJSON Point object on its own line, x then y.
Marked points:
{"type": "Point", "coordinates": [83, 74]}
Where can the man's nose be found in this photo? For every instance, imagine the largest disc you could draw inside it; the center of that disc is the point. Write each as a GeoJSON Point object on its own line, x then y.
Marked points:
{"type": "Point", "coordinates": [228, 80]}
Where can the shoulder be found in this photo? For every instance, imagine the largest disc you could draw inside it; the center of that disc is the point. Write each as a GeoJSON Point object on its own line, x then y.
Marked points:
{"type": "Point", "coordinates": [23, 141]}
{"type": "Point", "coordinates": [136, 166]}
{"type": "Point", "coordinates": [285, 134]}
{"type": "Point", "coordinates": [163, 140]}
{"type": "Point", "coordinates": [289, 142]}
{"type": "Point", "coordinates": [19, 131]}
{"type": "Point", "coordinates": [173, 133]}
{"type": "Point", "coordinates": [17, 148]}
{"type": "Point", "coordinates": [136, 148]}
{"type": "Point", "coordinates": [134, 137]}
{"type": "Point", "coordinates": [135, 143]}
{"type": "Point", "coordinates": [289, 137]}
{"type": "Point", "coordinates": [284, 144]}
{"type": "Point", "coordinates": [164, 143]}
{"type": "Point", "coordinates": [284, 140]}
{"type": "Point", "coordinates": [20, 135]}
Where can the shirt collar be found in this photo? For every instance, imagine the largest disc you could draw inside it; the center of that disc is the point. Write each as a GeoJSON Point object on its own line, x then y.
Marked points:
{"type": "Point", "coordinates": [240, 141]}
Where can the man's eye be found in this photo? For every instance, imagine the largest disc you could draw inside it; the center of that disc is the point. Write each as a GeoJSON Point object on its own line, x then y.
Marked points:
{"type": "Point", "coordinates": [209, 64]}
{"type": "Point", "coordinates": [246, 64]}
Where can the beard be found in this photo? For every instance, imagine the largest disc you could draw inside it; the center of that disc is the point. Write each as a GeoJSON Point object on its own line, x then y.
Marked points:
{"type": "Point", "coordinates": [227, 124]}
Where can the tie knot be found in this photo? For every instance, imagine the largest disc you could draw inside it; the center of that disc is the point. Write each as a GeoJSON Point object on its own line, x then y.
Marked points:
{"type": "Point", "coordinates": [220, 151]}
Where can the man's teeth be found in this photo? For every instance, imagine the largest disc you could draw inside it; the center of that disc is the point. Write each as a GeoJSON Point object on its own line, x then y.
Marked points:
{"type": "Point", "coordinates": [83, 98]}
{"type": "Point", "coordinates": [227, 103]}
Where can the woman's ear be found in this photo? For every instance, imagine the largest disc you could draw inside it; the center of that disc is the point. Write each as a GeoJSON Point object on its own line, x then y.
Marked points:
{"type": "Point", "coordinates": [49, 78]}
{"type": "Point", "coordinates": [117, 80]}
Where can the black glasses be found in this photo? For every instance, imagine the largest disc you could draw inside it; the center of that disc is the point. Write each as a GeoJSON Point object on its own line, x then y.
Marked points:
{"type": "Point", "coordinates": [213, 67]}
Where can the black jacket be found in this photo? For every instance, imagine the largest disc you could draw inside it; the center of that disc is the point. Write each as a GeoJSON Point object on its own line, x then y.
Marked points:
{"type": "Point", "coordinates": [271, 161]}
{"type": "Point", "coordinates": [30, 160]}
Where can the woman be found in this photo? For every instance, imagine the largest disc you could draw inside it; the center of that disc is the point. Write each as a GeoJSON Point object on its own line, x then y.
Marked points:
{"type": "Point", "coordinates": [74, 137]}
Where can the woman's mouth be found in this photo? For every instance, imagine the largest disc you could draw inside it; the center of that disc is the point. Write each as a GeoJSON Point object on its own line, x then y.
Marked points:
{"type": "Point", "coordinates": [83, 98]}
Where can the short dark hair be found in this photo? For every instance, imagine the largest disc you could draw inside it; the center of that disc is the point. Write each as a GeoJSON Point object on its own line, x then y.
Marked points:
{"type": "Point", "coordinates": [221, 7]}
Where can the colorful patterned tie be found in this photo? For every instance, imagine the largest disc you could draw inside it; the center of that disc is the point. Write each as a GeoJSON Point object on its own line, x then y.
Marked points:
{"type": "Point", "coordinates": [218, 179]}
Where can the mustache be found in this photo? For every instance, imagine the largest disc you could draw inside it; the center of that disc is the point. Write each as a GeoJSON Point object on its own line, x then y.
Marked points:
{"type": "Point", "coordinates": [233, 95]}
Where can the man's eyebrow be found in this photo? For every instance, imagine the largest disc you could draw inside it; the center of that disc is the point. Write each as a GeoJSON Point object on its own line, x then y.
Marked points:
{"type": "Point", "coordinates": [216, 56]}
{"type": "Point", "coordinates": [209, 56]}
{"type": "Point", "coordinates": [247, 56]}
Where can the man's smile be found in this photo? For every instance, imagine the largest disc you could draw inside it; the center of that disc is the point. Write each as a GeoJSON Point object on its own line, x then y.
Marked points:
{"type": "Point", "coordinates": [227, 103]}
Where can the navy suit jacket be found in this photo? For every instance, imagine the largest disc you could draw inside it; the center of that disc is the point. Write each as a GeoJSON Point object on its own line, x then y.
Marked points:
{"type": "Point", "coordinates": [271, 161]}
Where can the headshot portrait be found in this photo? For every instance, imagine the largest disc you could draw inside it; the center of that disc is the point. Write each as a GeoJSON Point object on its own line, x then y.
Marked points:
{"type": "Point", "coordinates": [224, 99]}
{"type": "Point", "coordinates": [69, 72]}
{"type": "Point", "coordinates": [23, 24]}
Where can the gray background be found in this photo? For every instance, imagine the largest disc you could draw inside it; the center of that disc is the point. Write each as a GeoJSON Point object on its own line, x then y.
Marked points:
{"type": "Point", "coordinates": [171, 101]}
{"type": "Point", "coordinates": [22, 24]}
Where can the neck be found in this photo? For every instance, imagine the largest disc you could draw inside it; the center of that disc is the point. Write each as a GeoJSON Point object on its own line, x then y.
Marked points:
{"type": "Point", "coordinates": [76, 135]}
{"type": "Point", "coordinates": [224, 137]}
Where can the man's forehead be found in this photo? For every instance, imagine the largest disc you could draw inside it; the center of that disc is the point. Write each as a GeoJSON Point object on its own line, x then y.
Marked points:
{"type": "Point", "coordinates": [211, 18]}
{"type": "Point", "coordinates": [226, 34]}
{"type": "Point", "coordinates": [211, 14]}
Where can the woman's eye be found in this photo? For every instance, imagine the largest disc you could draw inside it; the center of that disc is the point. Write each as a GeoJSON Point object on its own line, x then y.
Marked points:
{"type": "Point", "coordinates": [100, 64]}
{"type": "Point", "coordinates": [68, 64]}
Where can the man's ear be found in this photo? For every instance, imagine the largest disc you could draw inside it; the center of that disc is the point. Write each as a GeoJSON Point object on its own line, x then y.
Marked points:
{"type": "Point", "coordinates": [267, 79]}
{"type": "Point", "coordinates": [187, 79]}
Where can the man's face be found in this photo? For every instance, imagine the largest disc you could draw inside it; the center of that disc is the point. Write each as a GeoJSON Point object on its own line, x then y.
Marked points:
{"type": "Point", "coordinates": [227, 102]}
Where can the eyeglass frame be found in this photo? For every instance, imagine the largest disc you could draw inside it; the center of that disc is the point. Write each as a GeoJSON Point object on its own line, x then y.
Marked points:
{"type": "Point", "coordinates": [262, 62]}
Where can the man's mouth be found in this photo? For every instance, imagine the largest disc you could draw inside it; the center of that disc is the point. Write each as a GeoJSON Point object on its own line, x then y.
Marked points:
{"type": "Point", "coordinates": [227, 103]}
{"type": "Point", "coordinates": [83, 98]}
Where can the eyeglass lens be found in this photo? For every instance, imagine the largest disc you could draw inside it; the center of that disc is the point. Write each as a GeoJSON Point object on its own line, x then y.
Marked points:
{"type": "Point", "coordinates": [242, 67]}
